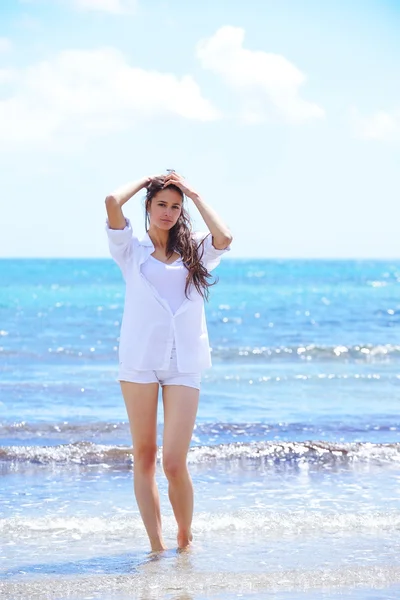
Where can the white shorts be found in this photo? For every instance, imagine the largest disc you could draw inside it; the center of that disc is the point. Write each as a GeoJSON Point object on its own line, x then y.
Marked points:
{"type": "Point", "coordinates": [170, 377]}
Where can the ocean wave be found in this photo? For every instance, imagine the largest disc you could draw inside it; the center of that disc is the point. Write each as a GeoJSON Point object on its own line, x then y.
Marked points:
{"type": "Point", "coordinates": [85, 429]}
{"type": "Point", "coordinates": [241, 354]}
{"type": "Point", "coordinates": [315, 352]}
{"type": "Point", "coordinates": [249, 521]}
{"type": "Point", "coordinates": [309, 452]}
{"type": "Point", "coordinates": [62, 427]}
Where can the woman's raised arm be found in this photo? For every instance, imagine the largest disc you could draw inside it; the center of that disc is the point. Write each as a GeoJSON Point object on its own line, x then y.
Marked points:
{"type": "Point", "coordinates": [117, 199]}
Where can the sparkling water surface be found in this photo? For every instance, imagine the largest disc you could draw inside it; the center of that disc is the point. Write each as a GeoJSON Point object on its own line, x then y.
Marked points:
{"type": "Point", "coordinates": [295, 457]}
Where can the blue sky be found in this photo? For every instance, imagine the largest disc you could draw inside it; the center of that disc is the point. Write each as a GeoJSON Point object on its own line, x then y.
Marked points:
{"type": "Point", "coordinates": [285, 116]}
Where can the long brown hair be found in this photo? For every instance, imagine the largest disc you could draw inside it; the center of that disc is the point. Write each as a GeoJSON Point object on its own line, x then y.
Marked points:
{"type": "Point", "coordinates": [180, 240]}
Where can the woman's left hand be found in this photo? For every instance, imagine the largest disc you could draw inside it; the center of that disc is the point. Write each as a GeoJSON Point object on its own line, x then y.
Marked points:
{"type": "Point", "coordinates": [178, 180]}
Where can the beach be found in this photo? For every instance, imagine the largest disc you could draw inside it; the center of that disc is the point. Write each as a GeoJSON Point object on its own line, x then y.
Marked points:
{"type": "Point", "coordinates": [295, 457]}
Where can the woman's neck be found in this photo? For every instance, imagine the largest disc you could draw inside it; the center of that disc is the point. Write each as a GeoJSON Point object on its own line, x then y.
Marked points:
{"type": "Point", "coordinates": [159, 237]}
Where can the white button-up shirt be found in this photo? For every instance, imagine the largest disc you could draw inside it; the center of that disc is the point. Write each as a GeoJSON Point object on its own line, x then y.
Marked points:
{"type": "Point", "coordinates": [149, 328]}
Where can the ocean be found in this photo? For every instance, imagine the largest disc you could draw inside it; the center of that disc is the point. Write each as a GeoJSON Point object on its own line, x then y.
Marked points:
{"type": "Point", "coordinates": [295, 456]}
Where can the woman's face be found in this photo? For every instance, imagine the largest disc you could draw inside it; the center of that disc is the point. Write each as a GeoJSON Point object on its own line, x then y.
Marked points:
{"type": "Point", "coordinates": [165, 209]}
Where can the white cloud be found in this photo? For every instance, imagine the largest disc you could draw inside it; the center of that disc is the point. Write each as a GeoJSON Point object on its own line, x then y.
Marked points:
{"type": "Point", "coordinates": [5, 44]}
{"type": "Point", "coordinates": [7, 75]}
{"type": "Point", "coordinates": [116, 7]}
{"type": "Point", "coordinates": [92, 92]}
{"type": "Point", "coordinates": [381, 125]}
{"type": "Point", "coordinates": [262, 79]}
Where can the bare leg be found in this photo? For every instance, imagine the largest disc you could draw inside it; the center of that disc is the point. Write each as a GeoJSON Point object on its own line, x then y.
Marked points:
{"type": "Point", "coordinates": [180, 409]}
{"type": "Point", "coordinates": [141, 405]}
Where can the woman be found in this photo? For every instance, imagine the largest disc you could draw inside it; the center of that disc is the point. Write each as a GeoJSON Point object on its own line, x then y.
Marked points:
{"type": "Point", "coordinates": [164, 339]}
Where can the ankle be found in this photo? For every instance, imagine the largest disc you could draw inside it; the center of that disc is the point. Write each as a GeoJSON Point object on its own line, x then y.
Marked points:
{"type": "Point", "coordinates": [184, 537]}
{"type": "Point", "coordinates": [157, 544]}
{"type": "Point", "coordinates": [158, 547]}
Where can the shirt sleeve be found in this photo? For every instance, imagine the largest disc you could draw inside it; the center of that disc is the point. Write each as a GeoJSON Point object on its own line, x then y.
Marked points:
{"type": "Point", "coordinates": [210, 256]}
{"type": "Point", "coordinates": [122, 244]}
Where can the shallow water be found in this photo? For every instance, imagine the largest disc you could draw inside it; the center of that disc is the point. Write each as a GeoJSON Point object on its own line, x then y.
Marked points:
{"type": "Point", "coordinates": [295, 457]}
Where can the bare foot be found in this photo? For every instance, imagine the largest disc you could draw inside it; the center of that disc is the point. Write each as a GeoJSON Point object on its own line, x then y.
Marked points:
{"type": "Point", "coordinates": [184, 539]}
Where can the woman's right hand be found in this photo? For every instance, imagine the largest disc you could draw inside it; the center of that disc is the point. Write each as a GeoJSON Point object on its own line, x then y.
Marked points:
{"type": "Point", "coordinates": [151, 177]}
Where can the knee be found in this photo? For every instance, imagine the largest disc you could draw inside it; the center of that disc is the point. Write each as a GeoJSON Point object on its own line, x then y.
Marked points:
{"type": "Point", "coordinates": [145, 458]}
{"type": "Point", "coordinates": [174, 468]}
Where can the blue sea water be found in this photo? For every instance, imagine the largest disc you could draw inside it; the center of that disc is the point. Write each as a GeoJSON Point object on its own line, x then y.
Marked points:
{"type": "Point", "coordinates": [295, 457]}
